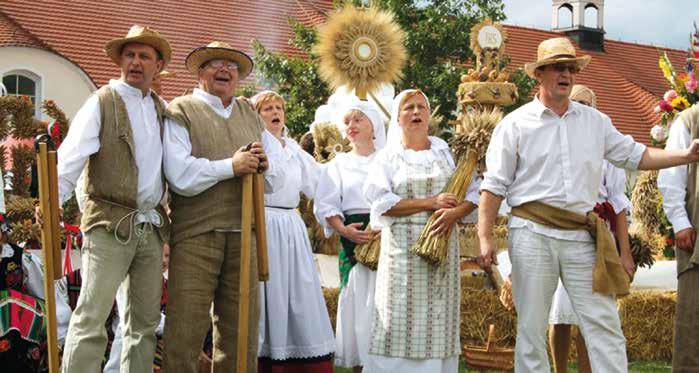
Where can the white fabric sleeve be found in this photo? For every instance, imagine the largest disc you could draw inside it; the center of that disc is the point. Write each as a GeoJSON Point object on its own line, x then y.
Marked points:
{"type": "Point", "coordinates": [621, 150]}
{"type": "Point", "coordinates": [82, 141]}
{"type": "Point", "coordinates": [187, 175]}
{"type": "Point", "coordinates": [310, 173]}
{"type": "Point", "coordinates": [378, 190]}
{"type": "Point", "coordinates": [274, 176]}
{"type": "Point", "coordinates": [501, 159]}
{"type": "Point", "coordinates": [672, 182]}
{"type": "Point", "coordinates": [616, 189]}
{"type": "Point", "coordinates": [328, 196]}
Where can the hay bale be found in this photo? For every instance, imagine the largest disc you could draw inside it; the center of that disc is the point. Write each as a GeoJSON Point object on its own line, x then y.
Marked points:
{"type": "Point", "coordinates": [332, 296]}
{"type": "Point", "coordinates": [479, 309]}
{"type": "Point", "coordinates": [647, 319]}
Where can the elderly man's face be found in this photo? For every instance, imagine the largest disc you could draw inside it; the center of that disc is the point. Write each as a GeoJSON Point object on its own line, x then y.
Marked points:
{"type": "Point", "coordinates": [219, 78]}
{"type": "Point", "coordinates": [139, 64]}
{"type": "Point", "coordinates": [557, 80]}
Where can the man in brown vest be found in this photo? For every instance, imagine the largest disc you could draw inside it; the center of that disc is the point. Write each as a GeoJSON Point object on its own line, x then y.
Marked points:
{"type": "Point", "coordinates": [680, 189]}
{"type": "Point", "coordinates": [116, 138]}
{"type": "Point", "coordinates": [205, 157]}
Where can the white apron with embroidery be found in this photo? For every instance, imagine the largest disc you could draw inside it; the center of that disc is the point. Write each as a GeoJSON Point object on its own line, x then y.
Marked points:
{"type": "Point", "coordinates": [416, 315]}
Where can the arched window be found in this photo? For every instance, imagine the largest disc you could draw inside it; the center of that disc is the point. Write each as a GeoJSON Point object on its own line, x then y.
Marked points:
{"type": "Point", "coordinates": [591, 16]}
{"type": "Point", "coordinates": [565, 16]}
{"type": "Point", "coordinates": [24, 83]}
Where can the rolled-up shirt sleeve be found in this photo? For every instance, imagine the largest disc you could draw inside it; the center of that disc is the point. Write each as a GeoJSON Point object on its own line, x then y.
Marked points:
{"type": "Point", "coordinates": [621, 150]}
{"type": "Point", "coordinates": [501, 159]}
{"type": "Point", "coordinates": [378, 190]}
{"type": "Point", "coordinates": [188, 175]}
{"type": "Point", "coordinates": [82, 141]}
{"type": "Point", "coordinates": [672, 181]}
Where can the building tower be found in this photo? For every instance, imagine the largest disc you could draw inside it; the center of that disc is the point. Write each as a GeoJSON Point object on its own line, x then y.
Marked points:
{"type": "Point", "coordinates": [586, 26]}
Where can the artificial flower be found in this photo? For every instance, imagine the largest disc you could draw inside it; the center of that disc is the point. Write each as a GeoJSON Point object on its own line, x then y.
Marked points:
{"type": "Point", "coordinates": [680, 103]}
{"type": "Point", "coordinates": [658, 133]}
{"type": "Point", "coordinates": [670, 95]}
{"type": "Point", "coordinates": [691, 83]}
{"type": "Point", "coordinates": [665, 106]}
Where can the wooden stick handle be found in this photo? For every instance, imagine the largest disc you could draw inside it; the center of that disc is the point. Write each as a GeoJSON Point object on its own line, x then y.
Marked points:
{"type": "Point", "coordinates": [48, 245]}
{"type": "Point", "coordinates": [258, 194]}
{"type": "Point", "coordinates": [55, 215]}
{"type": "Point", "coordinates": [244, 293]}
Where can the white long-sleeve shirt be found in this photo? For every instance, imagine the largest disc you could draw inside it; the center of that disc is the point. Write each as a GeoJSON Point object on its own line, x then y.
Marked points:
{"type": "Point", "coordinates": [613, 188]}
{"type": "Point", "coordinates": [189, 176]}
{"type": "Point", "coordinates": [83, 140]}
{"type": "Point", "coordinates": [672, 182]}
{"type": "Point", "coordinates": [536, 155]}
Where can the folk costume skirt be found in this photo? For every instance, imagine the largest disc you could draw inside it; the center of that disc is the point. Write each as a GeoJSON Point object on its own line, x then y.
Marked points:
{"type": "Point", "coordinates": [294, 322]}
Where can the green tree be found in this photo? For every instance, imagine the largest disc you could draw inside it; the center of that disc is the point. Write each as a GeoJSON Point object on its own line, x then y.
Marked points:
{"type": "Point", "coordinates": [437, 42]}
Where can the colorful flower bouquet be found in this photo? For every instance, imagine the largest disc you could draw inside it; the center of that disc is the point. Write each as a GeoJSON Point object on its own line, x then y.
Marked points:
{"type": "Point", "coordinates": [683, 93]}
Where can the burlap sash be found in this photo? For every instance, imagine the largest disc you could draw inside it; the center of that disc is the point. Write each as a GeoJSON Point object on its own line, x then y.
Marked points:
{"type": "Point", "coordinates": [608, 275]}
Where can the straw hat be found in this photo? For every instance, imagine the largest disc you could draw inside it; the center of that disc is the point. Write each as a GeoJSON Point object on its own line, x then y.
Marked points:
{"type": "Point", "coordinates": [216, 50]}
{"type": "Point", "coordinates": [139, 34]}
{"type": "Point", "coordinates": [167, 74]}
{"type": "Point", "coordinates": [553, 51]}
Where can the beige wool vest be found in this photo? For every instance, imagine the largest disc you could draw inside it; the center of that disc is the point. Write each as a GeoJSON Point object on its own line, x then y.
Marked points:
{"type": "Point", "coordinates": [111, 176]}
{"type": "Point", "coordinates": [685, 260]}
{"type": "Point", "coordinates": [213, 138]}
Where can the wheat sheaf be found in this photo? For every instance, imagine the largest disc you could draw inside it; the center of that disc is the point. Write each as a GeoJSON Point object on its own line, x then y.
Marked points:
{"type": "Point", "coordinates": [360, 48]}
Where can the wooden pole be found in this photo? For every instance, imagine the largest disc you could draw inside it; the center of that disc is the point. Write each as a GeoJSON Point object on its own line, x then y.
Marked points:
{"type": "Point", "coordinates": [49, 209]}
{"type": "Point", "coordinates": [55, 215]}
{"type": "Point", "coordinates": [258, 194]}
{"type": "Point", "coordinates": [244, 292]}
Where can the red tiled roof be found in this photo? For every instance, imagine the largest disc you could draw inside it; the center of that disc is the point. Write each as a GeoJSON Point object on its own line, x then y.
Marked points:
{"type": "Point", "coordinates": [625, 77]}
{"type": "Point", "coordinates": [12, 34]}
{"type": "Point", "coordinates": [79, 29]}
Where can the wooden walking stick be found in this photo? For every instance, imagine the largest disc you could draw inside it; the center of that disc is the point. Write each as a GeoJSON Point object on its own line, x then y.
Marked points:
{"type": "Point", "coordinates": [258, 196]}
{"type": "Point", "coordinates": [50, 242]}
{"type": "Point", "coordinates": [244, 292]}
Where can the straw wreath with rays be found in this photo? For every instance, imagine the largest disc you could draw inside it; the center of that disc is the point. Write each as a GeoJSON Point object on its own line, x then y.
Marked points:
{"type": "Point", "coordinates": [361, 48]}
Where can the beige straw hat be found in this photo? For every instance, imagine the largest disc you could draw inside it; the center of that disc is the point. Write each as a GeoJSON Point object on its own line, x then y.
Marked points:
{"type": "Point", "coordinates": [219, 50]}
{"type": "Point", "coordinates": [139, 34]}
{"type": "Point", "coordinates": [553, 51]}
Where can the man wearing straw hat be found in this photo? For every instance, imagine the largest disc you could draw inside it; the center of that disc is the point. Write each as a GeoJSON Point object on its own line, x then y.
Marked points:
{"type": "Point", "coordinates": [211, 140]}
{"type": "Point", "coordinates": [679, 187]}
{"type": "Point", "coordinates": [116, 138]}
{"type": "Point", "coordinates": [546, 159]}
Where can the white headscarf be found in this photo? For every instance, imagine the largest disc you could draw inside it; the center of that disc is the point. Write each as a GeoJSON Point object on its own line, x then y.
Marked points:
{"type": "Point", "coordinates": [395, 134]}
{"type": "Point", "coordinates": [369, 109]}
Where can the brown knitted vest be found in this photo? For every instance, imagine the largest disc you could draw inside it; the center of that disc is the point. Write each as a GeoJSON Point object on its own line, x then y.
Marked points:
{"type": "Point", "coordinates": [213, 138]}
{"type": "Point", "coordinates": [685, 260]}
{"type": "Point", "coordinates": [111, 179]}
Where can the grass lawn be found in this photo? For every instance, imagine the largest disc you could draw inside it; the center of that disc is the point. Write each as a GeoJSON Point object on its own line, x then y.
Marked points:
{"type": "Point", "coordinates": [634, 367]}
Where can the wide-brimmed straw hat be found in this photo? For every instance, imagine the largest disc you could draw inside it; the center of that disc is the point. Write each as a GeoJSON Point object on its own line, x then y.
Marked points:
{"type": "Point", "coordinates": [553, 51]}
{"type": "Point", "coordinates": [139, 34]}
{"type": "Point", "coordinates": [219, 50]}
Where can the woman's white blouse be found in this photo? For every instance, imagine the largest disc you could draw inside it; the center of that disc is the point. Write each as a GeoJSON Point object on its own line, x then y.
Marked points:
{"type": "Point", "coordinates": [301, 174]}
{"type": "Point", "coordinates": [340, 188]}
{"type": "Point", "coordinates": [379, 186]}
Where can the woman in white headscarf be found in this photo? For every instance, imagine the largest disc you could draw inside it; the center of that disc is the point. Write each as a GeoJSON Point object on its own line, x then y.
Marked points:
{"type": "Point", "coordinates": [340, 206]}
{"type": "Point", "coordinates": [415, 325]}
{"type": "Point", "coordinates": [295, 330]}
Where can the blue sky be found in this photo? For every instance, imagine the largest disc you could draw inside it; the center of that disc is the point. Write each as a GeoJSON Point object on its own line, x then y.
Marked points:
{"type": "Point", "coordinates": [657, 22]}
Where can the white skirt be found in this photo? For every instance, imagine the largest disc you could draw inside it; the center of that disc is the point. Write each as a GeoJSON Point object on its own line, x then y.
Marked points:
{"type": "Point", "coordinates": [354, 314]}
{"type": "Point", "coordinates": [294, 320]}
{"type": "Point", "coordinates": [561, 308]}
{"type": "Point", "coordinates": [385, 364]}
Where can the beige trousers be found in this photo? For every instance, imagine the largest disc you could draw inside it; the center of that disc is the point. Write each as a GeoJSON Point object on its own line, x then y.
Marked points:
{"type": "Point", "coordinates": [685, 354]}
{"type": "Point", "coordinates": [105, 265]}
{"type": "Point", "coordinates": [206, 269]}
